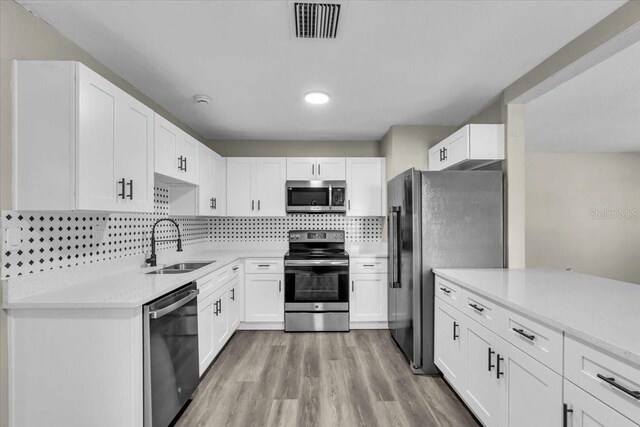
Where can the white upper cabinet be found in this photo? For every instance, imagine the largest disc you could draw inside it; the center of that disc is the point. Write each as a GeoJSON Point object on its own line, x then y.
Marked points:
{"type": "Point", "coordinates": [312, 168]}
{"type": "Point", "coordinates": [176, 154]}
{"type": "Point", "coordinates": [256, 186]}
{"type": "Point", "coordinates": [212, 170]}
{"type": "Point", "coordinates": [365, 186]}
{"type": "Point", "coordinates": [471, 147]}
{"type": "Point", "coordinates": [80, 143]}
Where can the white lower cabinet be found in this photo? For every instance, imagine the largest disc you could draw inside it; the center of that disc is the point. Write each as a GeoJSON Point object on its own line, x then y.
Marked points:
{"type": "Point", "coordinates": [583, 410]}
{"type": "Point", "coordinates": [264, 298]}
{"type": "Point", "coordinates": [500, 383]}
{"type": "Point", "coordinates": [220, 318]}
{"type": "Point", "coordinates": [368, 298]}
{"type": "Point", "coordinates": [481, 384]}
{"type": "Point", "coordinates": [234, 306]}
{"type": "Point", "coordinates": [530, 393]}
{"type": "Point", "coordinates": [449, 351]}
{"type": "Point", "coordinates": [206, 350]}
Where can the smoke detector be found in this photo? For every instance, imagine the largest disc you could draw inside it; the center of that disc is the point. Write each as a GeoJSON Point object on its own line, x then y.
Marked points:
{"type": "Point", "coordinates": [202, 99]}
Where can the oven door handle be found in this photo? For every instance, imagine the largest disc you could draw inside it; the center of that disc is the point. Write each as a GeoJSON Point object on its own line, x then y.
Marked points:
{"type": "Point", "coordinates": [156, 314]}
{"type": "Point", "coordinates": [316, 262]}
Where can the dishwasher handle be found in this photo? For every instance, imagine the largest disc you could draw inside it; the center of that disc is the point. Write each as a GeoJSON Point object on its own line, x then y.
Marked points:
{"type": "Point", "coordinates": [156, 314]}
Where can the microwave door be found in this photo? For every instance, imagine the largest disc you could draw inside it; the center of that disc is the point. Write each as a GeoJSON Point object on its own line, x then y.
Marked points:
{"type": "Point", "coordinates": [308, 199]}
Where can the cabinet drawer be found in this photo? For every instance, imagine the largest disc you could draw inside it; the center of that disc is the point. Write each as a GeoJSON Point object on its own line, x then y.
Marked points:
{"type": "Point", "coordinates": [482, 310]}
{"type": "Point", "coordinates": [207, 285]}
{"type": "Point", "coordinates": [368, 265]}
{"type": "Point", "coordinates": [449, 292]}
{"type": "Point", "coordinates": [228, 272]}
{"type": "Point", "coordinates": [618, 385]}
{"type": "Point", "coordinates": [537, 340]}
{"type": "Point", "coordinates": [264, 265]}
{"type": "Point", "coordinates": [235, 269]}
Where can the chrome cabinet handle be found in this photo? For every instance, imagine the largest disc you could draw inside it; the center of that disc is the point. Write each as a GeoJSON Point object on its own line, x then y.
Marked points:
{"type": "Point", "coordinates": [455, 325]}
{"type": "Point", "coordinates": [313, 169]}
{"type": "Point", "coordinates": [352, 286]}
{"type": "Point", "coordinates": [235, 268]}
{"type": "Point", "coordinates": [445, 290]}
{"type": "Point", "coordinates": [263, 265]}
{"type": "Point", "coordinates": [279, 285]}
{"type": "Point", "coordinates": [130, 184]}
{"type": "Point", "coordinates": [258, 204]}
{"type": "Point", "coordinates": [180, 160]}
{"type": "Point", "coordinates": [233, 294]}
{"type": "Point", "coordinates": [211, 203]}
{"type": "Point", "coordinates": [444, 153]}
{"type": "Point", "coordinates": [252, 205]}
{"type": "Point", "coordinates": [318, 169]}
{"type": "Point", "coordinates": [185, 164]}
{"type": "Point", "coordinates": [349, 204]}
{"type": "Point", "coordinates": [612, 382]}
{"type": "Point", "coordinates": [215, 203]}
{"type": "Point", "coordinates": [565, 413]}
{"type": "Point", "coordinates": [524, 334]}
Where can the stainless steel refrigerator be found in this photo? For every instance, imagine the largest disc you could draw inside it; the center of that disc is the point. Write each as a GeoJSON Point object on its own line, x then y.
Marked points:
{"type": "Point", "coordinates": [443, 219]}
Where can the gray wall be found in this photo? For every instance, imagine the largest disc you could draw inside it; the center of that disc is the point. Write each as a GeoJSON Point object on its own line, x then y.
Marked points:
{"type": "Point", "coordinates": [407, 146]}
{"type": "Point", "coordinates": [562, 189]}
{"type": "Point", "coordinates": [273, 148]}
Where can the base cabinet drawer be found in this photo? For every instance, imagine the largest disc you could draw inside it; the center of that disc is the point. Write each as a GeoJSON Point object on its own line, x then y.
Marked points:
{"type": "Point", "coordinates": [537, 340]}
{"type": "Point", "coordinates": [449, 292]}
{"type": "Point", "coordinates": [583, 410]}
{"type": "Point", "coordinates": [608, 379]}
{"type": "Point", "coordinates": [368, 265]}
{"type": "Point", "coordinates": [264, 265]}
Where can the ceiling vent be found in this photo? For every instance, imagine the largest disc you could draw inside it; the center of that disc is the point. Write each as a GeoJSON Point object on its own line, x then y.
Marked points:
{"type": "Point", "coordinates": [316, 20]}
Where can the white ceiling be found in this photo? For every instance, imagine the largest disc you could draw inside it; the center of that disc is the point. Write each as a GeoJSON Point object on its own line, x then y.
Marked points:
{"type": "Point", "coordinates": [596, 111]}
{"type": "Point", "coordinates": [395, 62]}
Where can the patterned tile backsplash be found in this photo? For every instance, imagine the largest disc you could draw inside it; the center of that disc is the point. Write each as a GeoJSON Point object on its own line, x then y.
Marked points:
{"type": "Point", "coordinates": [56, 240]}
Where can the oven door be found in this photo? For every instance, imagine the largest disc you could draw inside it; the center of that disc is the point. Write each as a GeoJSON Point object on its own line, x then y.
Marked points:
{"type": "Point", "coordinates": [308, 196]}
{"type": "Point", "coordinates": [320, 285]}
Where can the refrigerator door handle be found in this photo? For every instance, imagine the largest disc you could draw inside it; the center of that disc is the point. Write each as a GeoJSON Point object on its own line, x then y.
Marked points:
{"type": "Point", "coordinates": [394, 240]}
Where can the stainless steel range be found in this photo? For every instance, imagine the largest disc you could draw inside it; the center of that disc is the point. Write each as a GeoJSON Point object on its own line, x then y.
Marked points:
{"type": "Point", "coordinates": [316, 282]}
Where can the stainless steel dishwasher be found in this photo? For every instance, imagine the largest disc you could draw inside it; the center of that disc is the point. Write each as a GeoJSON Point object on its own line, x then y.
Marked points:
{"type": "Point", "coordinates": [170, 334]}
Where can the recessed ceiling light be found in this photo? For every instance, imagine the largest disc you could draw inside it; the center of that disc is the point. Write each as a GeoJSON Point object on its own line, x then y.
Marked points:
{"type": "Point", "coordinates": [316, 97]}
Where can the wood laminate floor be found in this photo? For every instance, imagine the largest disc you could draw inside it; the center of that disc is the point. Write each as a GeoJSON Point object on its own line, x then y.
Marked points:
{"type": "Point", "coordinates": [360, 378]}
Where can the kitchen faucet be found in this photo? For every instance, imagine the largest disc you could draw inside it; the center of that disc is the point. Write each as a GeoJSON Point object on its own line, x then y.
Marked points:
{"type": "Point", "coordinates": [152, 259]}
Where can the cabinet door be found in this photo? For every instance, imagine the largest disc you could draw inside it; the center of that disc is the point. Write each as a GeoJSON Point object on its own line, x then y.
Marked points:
{"type": "Point", "coordinates": [481, 386]}
{"type": "Point", "coordinates": [457, 148]}
{"type": "Point", "coordinates": [220, 319]}
{"type": "Point", "coordinates": [269, 184]}
{"type": "Point", "coordinates": [234, 312]}
{"type": "Point", "coordinates": [219, 186]}
{"type": "Point", "coordinates": [331, 168]}
{"type": "Point", "coordinates": [587, 411]}
{"type": "Point", "coordinates": [134, 155]}
{"type": "Point", "coordinates": [205, 181]}
{"type": "Point", "coordinates": [449, 350]}
{"type": "Point", "coordinates": [264, 298]}
{"type": "Point", "coordinates": [530, 393]}
{"type": "Point", "coordinates": [365, 179]}
{"type": "Point", "coordinates": [206, 350]}
{"type": "Point", "coordinates": [96, 185]}
{"type": "Point", "coordinates": [436, 162]}
{"type": "Point", "coordinates": [301, 168]}
{"type": "Point", "coordinates": [368, 299]}
{"type": "Point", "coordinates": [188, 150]}
{"type": "Point", "coordinates": [239, 179]}
{"type": "Point", "coordinates": [166, 136]}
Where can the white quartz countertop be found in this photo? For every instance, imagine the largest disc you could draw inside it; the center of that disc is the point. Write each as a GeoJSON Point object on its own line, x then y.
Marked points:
{"type": "Point", "coordinates": [130, 288]}
{"type": "Point", "coordinates": [128, 285]}
{"type": "Point", "coordinates": [603, 312]}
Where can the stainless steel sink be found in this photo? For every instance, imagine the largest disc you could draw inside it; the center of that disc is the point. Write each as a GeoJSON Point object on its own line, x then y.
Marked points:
{"type": "Point", "coordinates": [183, 267]}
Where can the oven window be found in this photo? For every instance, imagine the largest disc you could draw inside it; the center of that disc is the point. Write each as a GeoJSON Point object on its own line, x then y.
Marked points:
{"type": "Point", "coordinates": [308, 197]}
{"type": "Point", "coordinates": [317, 284]}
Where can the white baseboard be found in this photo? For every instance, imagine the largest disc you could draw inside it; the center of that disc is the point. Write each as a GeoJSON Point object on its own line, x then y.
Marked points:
{"type": "Point", "coordinates": [266, 326]}
{"type": "Point", "coordinates": [369, 325]}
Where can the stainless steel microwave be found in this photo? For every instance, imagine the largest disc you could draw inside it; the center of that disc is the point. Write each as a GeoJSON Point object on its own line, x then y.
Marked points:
{"type": "Point", "coordinates": [316, 196]}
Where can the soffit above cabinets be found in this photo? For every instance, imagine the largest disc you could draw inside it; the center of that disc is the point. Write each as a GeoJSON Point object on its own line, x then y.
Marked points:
{"type": "Point", "coordinates": [393, 62]}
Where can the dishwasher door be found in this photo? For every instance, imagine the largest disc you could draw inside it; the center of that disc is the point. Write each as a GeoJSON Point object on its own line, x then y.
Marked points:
{"type": "Point", "coordinates": [170, 354]}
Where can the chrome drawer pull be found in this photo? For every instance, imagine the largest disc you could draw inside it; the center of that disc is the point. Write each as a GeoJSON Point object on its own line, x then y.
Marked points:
{"type": "Point", "coordinates": [524, 334]}
{"type": "Point", "coordinates": [480, 309]}
{"type": "Point", "coordinates": [445, 290]}
{"type": "Point", "coordinates": [612, 381]}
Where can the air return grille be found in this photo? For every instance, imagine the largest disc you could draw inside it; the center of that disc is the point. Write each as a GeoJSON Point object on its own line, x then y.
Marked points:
{"type": "Point", "coordinates": [316, 20]}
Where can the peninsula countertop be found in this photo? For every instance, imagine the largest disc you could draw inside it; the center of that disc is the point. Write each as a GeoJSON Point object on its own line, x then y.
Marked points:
{"type": "Point", "coordinates": [603, 312]}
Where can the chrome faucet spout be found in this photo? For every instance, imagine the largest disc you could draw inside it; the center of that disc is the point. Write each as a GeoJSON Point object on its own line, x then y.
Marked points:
{"type": "Point", "coordinates": [152, 260]}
